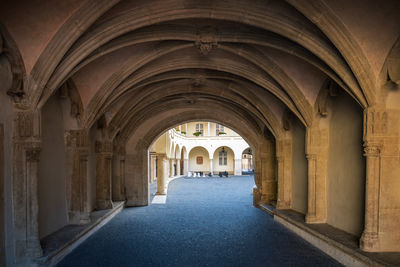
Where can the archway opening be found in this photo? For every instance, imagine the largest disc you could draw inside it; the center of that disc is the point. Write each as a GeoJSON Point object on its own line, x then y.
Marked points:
{"type": "Point", "coordinates": [247, 161]}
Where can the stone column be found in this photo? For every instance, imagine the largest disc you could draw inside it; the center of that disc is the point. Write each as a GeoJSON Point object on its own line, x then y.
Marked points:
{"type": "Point", "coordinates": [103, 175]}
{"type": "Point", "coordinates": [284, 160]}
{"type": "Point", "coordinates": [178, 167]}
{"type": "Point", "coordinates": [370, 238]}
{"type": "Point", "coordinates": [185, 167]}
{"type": "Point", "coordinates": [171, 168]}
{"type": "Point", "coordinates": [382, 201]}
{"type": "Point", "coordinates": [211, 166]}
{"type": "Point", "coordinates": [317, 143]}
{"type": "Point", "coordinates": [118, 173]}
{"type": "Point", "coordinates": [162, 174]}
{"type": "Point", "coordinates": [77, 147]}
{"type": "Point", "coordinates": [208, 129]}
{"type": "Point", "coordinates": [152, 166]}
{"type": "Point", "coordinates": [32, 171]}
{"type": "Point", "coordinates": [26, 146]}
{"type": "Point", "coordinates": [238, 166]}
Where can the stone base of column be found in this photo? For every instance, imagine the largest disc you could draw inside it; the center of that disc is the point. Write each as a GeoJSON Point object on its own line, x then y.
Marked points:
{"type": "Point", "coordinates": [104, 204]}
{"type": "Point", "coordinates": [33, 249]}
{"type": "Point", "coordinates": [161, 193]}
{"type": "Point", "coordinates": [282, 205]}
{"type": "Point", "coordinates": [77, 217]}
{"type": "Point", "coordinates": [267, 198]}
{"type": "Point", "coordinates": [312, 218]}
{"type": "Point", "coordinates": [256, 196]}
{"type": "Point", "coordinates": [370, 242]}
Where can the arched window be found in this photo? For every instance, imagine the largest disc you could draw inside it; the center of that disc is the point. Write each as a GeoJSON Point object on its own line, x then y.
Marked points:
{"type": "Point", "coordinates": [223, 158]}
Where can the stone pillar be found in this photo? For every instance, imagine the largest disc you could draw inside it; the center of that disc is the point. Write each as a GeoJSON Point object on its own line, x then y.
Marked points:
{"type": "Point", "coordinates": [152, 166]}
{"type": "Point", "coordinates": [26, 146]}
{"type": "Point", "coordinates": [317, 143]}
{"type": "Point", "coordinates": [211, 166]}
{"type": "Point", "coordinates": [137, 175]}
{"type": "Point", "coordinates": [185, 167]}
{"type": "Point", "coordinates": [77, 148]}
{"type": "Point", "coordinates": [171, 168]}
{"type": "Point", "coordinates": [238, 166]}
{"type": "Point", "coordinates": [103, 175]}
{"type": "Point", "coordinates": [118, 173]}
{"type": "Point", "coordinates": [33, 242]}
{"type": "Point", "coordinates": [208, 129]}
{"type": "Point", "coordinates": [162, 174]}
{"type": "Point", "coordinates": [370, 237]}
{"type": "Point", "coordinates": [382, 201]}
{"type": "Point", "coordinates": [178, 167]}
{"type": "Point", "coordinates": [268, 181]}
{"type": "Point", "coordinates": [284, 160]}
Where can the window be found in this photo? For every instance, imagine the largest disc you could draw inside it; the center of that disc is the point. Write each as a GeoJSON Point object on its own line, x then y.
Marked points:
{"type": "Point", "coordinates": [219, 128]}
{"type": "Point", "coordinates": [199, 128]}
{"type": "Point", "coordinates": [223, 158]}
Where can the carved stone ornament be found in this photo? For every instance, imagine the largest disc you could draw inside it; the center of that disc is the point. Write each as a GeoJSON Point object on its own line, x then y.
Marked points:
{"type": "Point", "coordinates": [206, 40]}
{"type": "Point", "coordinates": [372, 150]}
{"type": "Point", "coordinates": [104, 147]}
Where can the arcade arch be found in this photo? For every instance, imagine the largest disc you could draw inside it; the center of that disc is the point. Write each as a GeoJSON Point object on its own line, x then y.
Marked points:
{"type": "Point", "coordinates": [306, 83]}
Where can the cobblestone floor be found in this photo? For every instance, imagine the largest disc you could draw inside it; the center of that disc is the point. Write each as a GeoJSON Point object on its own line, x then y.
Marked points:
{"type": "Point", "coordinates": [205, 222]}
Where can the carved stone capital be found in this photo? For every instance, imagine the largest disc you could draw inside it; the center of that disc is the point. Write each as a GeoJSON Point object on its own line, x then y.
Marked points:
{"type": "Point", "coordinates": [77, 138]}
{"type": "Point", "coordinates": [311, 156]}
{"type": "Point", "coordinates": [372, 150]}
{"type": "Point", "coordinates": [104, 147]}
{"type": "Point", "coordinates": [26, 124]}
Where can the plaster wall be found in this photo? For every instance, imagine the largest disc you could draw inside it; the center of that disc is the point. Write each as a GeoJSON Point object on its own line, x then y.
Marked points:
{"type": "Point", "coordinates": [30, 33]}
{"type": "Point", "coordinates": [52, 171]}
{"type": "Point", "coordinates": [230, 167]}
{"type": "Point", "coordinates": [299, 169]}
{"type": "Point", "coordinates": [373, 24]}
{"type": "Point", "coordinates": [6, 115]}
{"type": "Point", "coordinates": [346, 165]}
{"type": "Point", "coordinates": [199, 152]}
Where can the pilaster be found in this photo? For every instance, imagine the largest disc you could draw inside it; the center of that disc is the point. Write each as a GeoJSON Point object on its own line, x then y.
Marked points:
{"type": "Point", "coordinates": [382, 201]}
{"type": "Point", "coordinates": [77, 146]}
{"type": "Point", "coordinates": [284, 160]}
{"type": "Point", "coordinates": [317, 143]}
{"type": "Point", "coordinates": [118, 173]}
{"type": "Point", "coordinates": [26, 156]}
{"type": "Point", "coordinates": [104, 151]}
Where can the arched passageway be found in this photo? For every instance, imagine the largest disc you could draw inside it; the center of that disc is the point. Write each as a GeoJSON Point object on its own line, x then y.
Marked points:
{"type": "Point", "coordinates": [312, 86]}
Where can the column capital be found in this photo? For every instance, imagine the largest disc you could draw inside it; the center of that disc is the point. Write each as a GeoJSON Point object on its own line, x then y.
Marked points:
{"type": "Point", "coordinates": [372, 149]}
{"type": "Point", "coordinates": [311, 156]}
{"type": "Point", "coordinates": [77, 138]}
{"type": "Point", "coordinates": [105, 147]}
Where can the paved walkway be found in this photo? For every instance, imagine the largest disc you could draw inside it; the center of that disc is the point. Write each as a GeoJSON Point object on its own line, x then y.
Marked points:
{"type": "Point", "coordinates": [205, 222]}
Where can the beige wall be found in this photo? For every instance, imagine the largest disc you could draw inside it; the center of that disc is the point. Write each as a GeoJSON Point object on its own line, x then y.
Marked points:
{"type": "Point", "coordinates": [159, 145]}
{"type": "Point", "coordinates": [199, 152]}
{"type": "Point", "coordinates": [346, 165]}
{"type": "Point", "coordinates": [299, 170]}
{"type": "Point", "coordinates": [52, 171]}
{"type": "Point", "coordinates": [230, 167]}
{"type": "Point", "coordinates": [192, 128]}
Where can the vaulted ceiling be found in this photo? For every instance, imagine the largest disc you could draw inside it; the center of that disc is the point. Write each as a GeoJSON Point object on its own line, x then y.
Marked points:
{"type": "Point", "coordinates": [133, 59]}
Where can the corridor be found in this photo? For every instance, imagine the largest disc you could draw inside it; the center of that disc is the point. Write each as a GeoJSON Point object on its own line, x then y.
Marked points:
{"type": "Point", "coordinates": [205, 222]}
